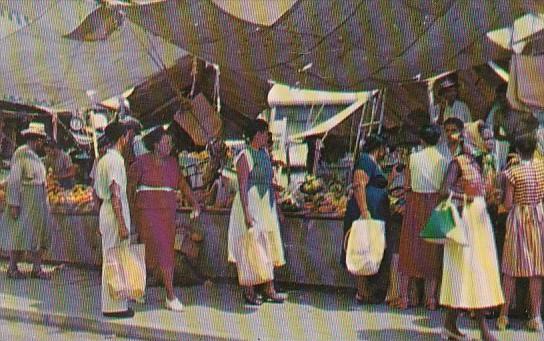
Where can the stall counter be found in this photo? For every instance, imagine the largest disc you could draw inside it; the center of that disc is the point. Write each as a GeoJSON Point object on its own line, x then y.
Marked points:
{"type": "Point", "coordinates": [312, 245]}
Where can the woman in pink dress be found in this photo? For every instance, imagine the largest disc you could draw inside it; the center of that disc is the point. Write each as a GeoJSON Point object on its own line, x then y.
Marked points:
{"type": "Point", "coordinates": [154, 178]}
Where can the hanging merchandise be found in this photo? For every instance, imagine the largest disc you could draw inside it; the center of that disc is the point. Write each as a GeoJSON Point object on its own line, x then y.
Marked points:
{"type": "Point", "coordinates": [216, 93]}
{"type": "Point", "coordinates": [55, 122]}
{"type": "Point", "coordinates": [194, 71]}
{"type": "Point", "coordinates": [76, 122]}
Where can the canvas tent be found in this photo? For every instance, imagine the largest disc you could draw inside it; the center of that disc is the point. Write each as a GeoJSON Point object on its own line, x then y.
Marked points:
{"type": "Point", "coordinates": [346, 45]}
{"type": "Point", "coordinates": [40, 66]}
{"type": "Point", "coordinates": [338, 45]}
{"type": "Point", "coordinates": [334, 45]}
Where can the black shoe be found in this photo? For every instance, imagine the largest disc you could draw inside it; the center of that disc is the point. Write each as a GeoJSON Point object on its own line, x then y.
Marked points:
{"type": "Point", "coordinates": [120, 314]}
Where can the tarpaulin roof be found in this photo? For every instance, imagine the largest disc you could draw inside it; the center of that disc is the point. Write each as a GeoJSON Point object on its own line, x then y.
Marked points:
{"type": "Point", "coordinates": [347, 45]}
{"type": "Point", "coordinates": [40, 66]}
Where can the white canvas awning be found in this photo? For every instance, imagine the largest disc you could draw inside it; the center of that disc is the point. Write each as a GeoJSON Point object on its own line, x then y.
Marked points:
{"type": "Point", "coordinates": [332, 122]}
{"type": "Point", "coordinates": [285, 95]}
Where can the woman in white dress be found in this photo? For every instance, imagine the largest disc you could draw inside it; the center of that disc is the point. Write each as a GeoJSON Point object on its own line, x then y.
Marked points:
{"type": "Point", "coordinates": [254, 240]}
{"type": "Point", "coordinates": [470, 278]}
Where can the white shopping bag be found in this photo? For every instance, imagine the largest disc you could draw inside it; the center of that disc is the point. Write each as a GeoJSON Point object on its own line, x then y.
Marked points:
{"type": "Point", "coordinates": [365, 244]}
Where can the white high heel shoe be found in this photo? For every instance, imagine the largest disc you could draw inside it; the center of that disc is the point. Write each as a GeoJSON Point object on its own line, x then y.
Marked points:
{"type": "Point", "coordinates": [174, 305]}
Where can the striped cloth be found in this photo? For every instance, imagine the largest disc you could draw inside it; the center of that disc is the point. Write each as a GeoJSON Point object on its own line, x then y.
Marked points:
{"type": "Point", "coordinates": [523, 254]}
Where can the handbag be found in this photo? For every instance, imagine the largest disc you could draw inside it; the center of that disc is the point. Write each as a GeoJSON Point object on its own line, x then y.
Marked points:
{"type": "Point", "coordinates": [445, 224]}
{"type": "Point", "coordinates": [125, 271]}
{"type": "Point", "coordinates": [255, 267]}
{"type": "Point", "coordinates": [365, 245]}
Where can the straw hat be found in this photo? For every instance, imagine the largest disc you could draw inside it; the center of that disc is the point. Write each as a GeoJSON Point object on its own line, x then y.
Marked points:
{"type": "Point", "coordinates": [35, 128]}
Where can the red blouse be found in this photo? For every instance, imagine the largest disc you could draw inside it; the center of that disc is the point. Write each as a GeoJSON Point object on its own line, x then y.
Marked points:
{"type": "Point", "coordinates": [146, 171]}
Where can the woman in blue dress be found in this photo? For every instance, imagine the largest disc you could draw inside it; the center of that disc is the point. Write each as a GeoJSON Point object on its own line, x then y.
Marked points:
{"type": "Point", "coordinates": [369, 200]}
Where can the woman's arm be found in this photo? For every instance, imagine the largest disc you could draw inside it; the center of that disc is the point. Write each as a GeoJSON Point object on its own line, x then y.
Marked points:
{"type": "Point", "coordinates": [117, 205]}
{"type": "Point", "coordinates": [360, 180]}
{"type": "Point", "coordinates": [186, 191]}
{"type": "Point", "coordinates": [509, 196]}
{"type": "Point", "coordinates": [242, 171]}
{"type": "Point", "coordinates": [133, 180]}
{"type": "Point", "coordinates": [449, 181]}
{"type": "Point", "coordinates": [13, 186]}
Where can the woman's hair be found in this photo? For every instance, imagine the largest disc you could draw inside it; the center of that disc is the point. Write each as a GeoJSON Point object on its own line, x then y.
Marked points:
{"type": "Point", "coordinates": [455, 121]}
{"type": "Point", "coordinates": [526, 145]}
{"type": "Point", "coordinates": [430, 134]}
{"type": "Point", "coordinates": [33, 137]}
{"type": "Point", "coordinates": [372, 143]}
{"type": "Point", "coordinates": [154, 137]}
{"type": "Point", "coordinates": [114, 131]}
{"type": "Point", "coordinates": [256, 126]}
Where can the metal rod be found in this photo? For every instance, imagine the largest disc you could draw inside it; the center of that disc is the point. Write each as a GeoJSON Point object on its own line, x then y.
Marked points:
{"type": "Point", "coordinates": [382, 111]}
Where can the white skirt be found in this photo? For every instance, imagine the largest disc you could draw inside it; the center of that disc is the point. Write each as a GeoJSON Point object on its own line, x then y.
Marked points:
{"type": "Point", "coordinates": [471, 278]}
{"type": "Point", "coordinates": [267, 230]}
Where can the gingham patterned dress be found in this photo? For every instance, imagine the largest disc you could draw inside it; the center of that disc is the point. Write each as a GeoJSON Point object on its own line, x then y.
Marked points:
{"type": "Point", "coordinates": [523, 254]}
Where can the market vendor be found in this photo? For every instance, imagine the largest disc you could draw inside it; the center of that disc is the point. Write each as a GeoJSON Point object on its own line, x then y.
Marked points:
{"type": "Point", "coordinates": [450, 104]}
{"type": "Point", "coordinates": [59, 165]}
{"type": "Point", "coordinates": [26, 214]}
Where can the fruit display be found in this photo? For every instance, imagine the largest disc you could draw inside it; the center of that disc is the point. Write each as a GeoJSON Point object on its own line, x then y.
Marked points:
{"type": "Point", "coordinates": [289, 203]}
{"type": "Point", "coordinates": [79, 198]}
{"type": "Point", "coordinates": [324, 196]}
{"type": "Point", "coordinates": [311, 185]}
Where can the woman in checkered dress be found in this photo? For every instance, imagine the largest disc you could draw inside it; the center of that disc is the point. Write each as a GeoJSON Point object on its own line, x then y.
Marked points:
{"type": "Point", "coordinates": [523, 254]}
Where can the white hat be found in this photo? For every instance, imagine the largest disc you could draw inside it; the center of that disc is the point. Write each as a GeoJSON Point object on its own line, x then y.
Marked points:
{"type": "Point", "coordinates": [35, 128]}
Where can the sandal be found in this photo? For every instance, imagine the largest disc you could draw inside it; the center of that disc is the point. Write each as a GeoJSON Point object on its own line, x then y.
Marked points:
{"type": "Point", "coordinates": [252, 299]}
{"type": "Point", "coordinates": [273, 297]}
{"type": "Point", "coordinates": [40, 275]}
{"type": "Point", "coordinates": [15, 274]}
{"type": "Point", "coordinates": [431, 304]}
{"type": "Point", "coordinates": [401, 303]}
{"type": "Point", "coordinates": [502, 322]}
{"type": "Point", "coordinates": [535, 324]}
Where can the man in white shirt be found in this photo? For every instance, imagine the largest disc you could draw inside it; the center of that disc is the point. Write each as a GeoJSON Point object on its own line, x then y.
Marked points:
{"type": "Point", "coordinates": [450, 104]}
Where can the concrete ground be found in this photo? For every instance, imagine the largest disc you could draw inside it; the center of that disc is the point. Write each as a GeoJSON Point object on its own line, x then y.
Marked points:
{"type": "Point", "coordinates": [71, 301]}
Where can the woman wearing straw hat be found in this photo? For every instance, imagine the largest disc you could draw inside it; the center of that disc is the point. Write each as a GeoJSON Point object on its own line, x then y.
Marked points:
{"type": "Point", "coordinates": [27, 210]}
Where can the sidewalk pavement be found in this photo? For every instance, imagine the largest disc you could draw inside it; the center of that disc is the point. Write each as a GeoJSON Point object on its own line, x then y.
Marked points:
{"type": "Point", "coordinates": [71, 300]}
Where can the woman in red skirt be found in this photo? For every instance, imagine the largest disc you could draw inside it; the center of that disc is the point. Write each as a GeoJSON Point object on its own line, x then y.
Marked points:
{"type": "Point", "coordinates": [417, 258]}
{"type": "Point", "coordinates": [154, 178]}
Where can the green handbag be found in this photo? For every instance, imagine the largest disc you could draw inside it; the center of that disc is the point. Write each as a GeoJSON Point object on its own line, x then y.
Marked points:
{"type": "Point", "coordinates": [440, 223]}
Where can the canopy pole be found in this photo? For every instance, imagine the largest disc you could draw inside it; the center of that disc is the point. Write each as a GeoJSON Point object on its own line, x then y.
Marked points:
{"type": "Point", "coordinates": [359, 134]}
{"type": "Point", "coordinates": [380, 126]}
{"type": "Point", "coordinates": [374, 110]}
